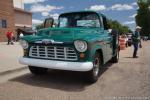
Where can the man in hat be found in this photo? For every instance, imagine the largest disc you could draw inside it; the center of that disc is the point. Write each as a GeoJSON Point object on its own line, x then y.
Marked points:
{"type": "Point", "coordinates": [136, 40]}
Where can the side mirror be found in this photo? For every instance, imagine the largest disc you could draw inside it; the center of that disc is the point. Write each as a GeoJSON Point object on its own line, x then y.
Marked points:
{"type": "Point", "coordinates": [49, 22]}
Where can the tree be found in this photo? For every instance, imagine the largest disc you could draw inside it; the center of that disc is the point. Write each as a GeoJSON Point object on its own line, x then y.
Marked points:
{"type": "Point", "coordinates": [143, 16]}
{"type": "Point", "coordinates": [40, 26]}
{"type": "Point", "coordinates": [119, 27]}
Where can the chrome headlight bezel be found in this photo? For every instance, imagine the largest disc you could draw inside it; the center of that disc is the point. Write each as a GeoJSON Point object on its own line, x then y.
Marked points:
{"type": "Point", "coordinates": [80, 45]}
{"type": "Point", "coordinates": [24, 44]}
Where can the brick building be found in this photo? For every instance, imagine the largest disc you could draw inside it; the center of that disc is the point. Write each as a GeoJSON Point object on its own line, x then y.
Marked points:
{"type": "Point", "coordinates": [6, 18]}
{"type": "Point", "coordinates": [13, 16]}
{"type": "Point", "coordinates": [22, 18]}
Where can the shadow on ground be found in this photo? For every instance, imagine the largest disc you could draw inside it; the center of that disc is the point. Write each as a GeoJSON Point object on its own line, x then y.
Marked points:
{"type": "Point", "coordinates": [61, 80]}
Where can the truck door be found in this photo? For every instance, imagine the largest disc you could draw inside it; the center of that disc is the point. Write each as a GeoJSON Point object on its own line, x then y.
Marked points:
{"type": "Point", "coordinates": [109, 40]}
{"type": "Point", "coordinates": [104, 35]}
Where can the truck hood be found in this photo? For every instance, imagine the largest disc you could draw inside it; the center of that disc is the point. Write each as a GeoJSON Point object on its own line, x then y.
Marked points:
{"type": "Point", "coordinates": [65, 34]}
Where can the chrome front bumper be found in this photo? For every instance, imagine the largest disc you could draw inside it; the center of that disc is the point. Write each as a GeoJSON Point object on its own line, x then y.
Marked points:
{"type": "Point", "coordinates": [61, 65]}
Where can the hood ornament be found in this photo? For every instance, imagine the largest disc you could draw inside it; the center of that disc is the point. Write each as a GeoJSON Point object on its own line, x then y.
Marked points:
{"type": "Point", "coordinates": [47, 41]}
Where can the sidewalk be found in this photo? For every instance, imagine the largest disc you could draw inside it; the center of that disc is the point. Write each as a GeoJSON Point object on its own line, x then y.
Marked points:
{"type": "Point", "coordinates": [9, 55]}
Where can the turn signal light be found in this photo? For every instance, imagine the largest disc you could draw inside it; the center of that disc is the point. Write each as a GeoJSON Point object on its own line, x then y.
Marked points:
{"type": "Point", "coordinates": [82, 55]}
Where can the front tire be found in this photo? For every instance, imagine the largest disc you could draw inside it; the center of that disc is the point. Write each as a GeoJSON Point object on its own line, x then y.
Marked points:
{"type": "Point", "coordinates": [93, 75]}
{"type": "Point", "coordinates": [37, 70]}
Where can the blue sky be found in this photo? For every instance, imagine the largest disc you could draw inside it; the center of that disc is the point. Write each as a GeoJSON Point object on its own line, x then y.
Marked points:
{"type": "Point", "coordinates": [120, 10]}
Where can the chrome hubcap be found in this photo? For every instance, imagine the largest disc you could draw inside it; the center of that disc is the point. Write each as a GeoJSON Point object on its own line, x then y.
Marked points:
{"type": "Point", "coordinates": [96, 67]}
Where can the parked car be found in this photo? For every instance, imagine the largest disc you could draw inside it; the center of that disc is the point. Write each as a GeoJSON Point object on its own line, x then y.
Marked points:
{"type": "Point", "coordinates": [25, 31]}
{"type": "Point", "coordinates": [129, 40]}
{"type": "Point", "coordinates": [126, 40]}
{"type": "Point", "coordinates": [81, 42]}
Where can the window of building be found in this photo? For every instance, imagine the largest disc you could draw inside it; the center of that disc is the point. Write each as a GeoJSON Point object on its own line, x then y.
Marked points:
{"type": "Point", "coordinates": [4, 23]}
{"type": "Point", "coordinates": [0, 23]}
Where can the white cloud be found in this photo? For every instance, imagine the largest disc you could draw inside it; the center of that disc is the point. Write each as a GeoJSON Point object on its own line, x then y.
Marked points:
{"type": "Point", "coordinates": [132, 16]}
{"type": "Point", "coordinates": [36, 21]}
{"type": "Point", "coordinates": [55, 16]}
{"type": "Point", "coordinates": [33, 1]}
{"type": "Point", "coordinates": [97, 7]}
{"type": "Point", "coordinates": [117, 7]}
{"type": "Point", "coordinates": [45, 14]}
{"type": "Point", "coordinates": [129, 22]}
{"type": "Point", "coordinates": [43, 8]}
{"type": "Point", "coordinates": [120, 7]}
{"type": "Point", "coordinates": [134, 4]}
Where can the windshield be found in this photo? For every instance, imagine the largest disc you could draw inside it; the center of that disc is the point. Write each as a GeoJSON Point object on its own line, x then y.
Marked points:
{"type": "Point", "coordinates": [79, 20]}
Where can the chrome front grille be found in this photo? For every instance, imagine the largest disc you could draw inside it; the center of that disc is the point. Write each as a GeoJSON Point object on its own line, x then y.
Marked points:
{"type": "Point", "coordinates": [53, 52]}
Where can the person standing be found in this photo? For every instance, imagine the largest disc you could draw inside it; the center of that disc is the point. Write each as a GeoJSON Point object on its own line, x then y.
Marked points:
{"type": "Point", "coordinates": [136, 41]}
{"type": "Point", "coordinates": [9, 35]}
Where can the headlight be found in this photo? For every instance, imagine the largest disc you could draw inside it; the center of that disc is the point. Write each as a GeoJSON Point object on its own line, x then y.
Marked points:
{"type": "Point", "coordinates": [81, 46]}
{"type": "Point", "coordinates": [24, 44]}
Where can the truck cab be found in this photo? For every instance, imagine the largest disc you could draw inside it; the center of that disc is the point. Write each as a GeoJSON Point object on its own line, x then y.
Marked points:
{"type": "Point", "coordinates": [80, 42]}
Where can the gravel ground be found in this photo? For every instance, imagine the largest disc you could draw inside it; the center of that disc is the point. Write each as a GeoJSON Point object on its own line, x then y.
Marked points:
{"type": "Point", "coordinates": [127, 80]}
{"type": "Point", "coordinates": [9, 55]}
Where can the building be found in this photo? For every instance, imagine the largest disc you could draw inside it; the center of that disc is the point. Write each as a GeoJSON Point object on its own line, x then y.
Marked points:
{"type": "Point", "coordinates": [22, 18]}
{"type": "Point", "coordinates": [6, 18]}
{"type": "Point", "coordinates": [13, 16]}
{"type": "Point", "coordinates": [18, 4]}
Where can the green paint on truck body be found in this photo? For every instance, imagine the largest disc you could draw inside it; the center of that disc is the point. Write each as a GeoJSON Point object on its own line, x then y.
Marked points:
{"type": "Point", "coordinates": [97, 38]}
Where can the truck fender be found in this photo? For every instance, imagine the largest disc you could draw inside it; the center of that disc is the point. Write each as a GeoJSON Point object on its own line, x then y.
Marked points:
{"type": "Point", "coordinates": [99, 49]}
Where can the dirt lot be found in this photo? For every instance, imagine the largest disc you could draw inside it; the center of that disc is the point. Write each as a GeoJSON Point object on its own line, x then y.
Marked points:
{"type": "Point", "coordinates": [127, 80]}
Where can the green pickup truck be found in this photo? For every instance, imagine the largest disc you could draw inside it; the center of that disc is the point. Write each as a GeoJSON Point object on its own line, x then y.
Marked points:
{"type": "Point", "coordinates": [80, 42]}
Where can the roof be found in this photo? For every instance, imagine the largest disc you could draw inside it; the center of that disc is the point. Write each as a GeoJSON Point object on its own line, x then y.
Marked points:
{"type": "Point", "coordinates": [86, 11]}
{"type": "Point", "coordinates": [22, 10]}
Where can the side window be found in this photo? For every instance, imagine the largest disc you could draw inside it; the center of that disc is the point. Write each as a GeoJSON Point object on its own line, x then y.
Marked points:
{"type": "Point", "coordinates": [4, 24]}
{"type": "Point", "coordinates": [105, 23]}
{"type": "Point", "coordinates": [101, 22]}
{"type": "Point", "coordinates": [63, 22]}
